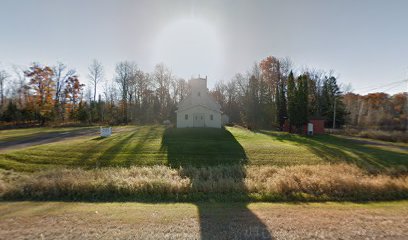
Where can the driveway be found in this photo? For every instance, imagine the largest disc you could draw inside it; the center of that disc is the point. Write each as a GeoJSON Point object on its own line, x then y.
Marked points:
{"type": "Point", "coordinates": [372, 142]}
{"type": "Point", "coordinates": [46, 138]}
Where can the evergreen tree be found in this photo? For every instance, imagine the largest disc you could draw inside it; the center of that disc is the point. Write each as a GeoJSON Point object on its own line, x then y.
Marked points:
{"type": "Point", "coordinates": [291, 99]}
{"type": "Point", "coordinates": [281, 106]}
{"type": "Point", "coordinates": [11, 114]}
{"type": "Point", "coordinates": [302, 103]}
{"type": "Point", "coordinates": [306, 81]}
{"type": "Point", "coordinates": [298, 101]}
{"type": "Point", "coordinates": [253, 108]}
{"type": "Point", "coordinates": [331, 93]}
{"type": "Point", "coordinates": [83, 113]}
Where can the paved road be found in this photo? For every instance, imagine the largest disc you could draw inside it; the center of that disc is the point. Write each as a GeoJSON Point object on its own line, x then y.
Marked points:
{"type": "Point", "coordinates": [46, 138]}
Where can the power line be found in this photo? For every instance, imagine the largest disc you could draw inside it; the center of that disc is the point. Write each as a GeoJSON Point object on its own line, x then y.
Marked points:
{"type": "Point", "coordinates": [392, 85]}
{"type": "Point", "coordinates": [380, 86]}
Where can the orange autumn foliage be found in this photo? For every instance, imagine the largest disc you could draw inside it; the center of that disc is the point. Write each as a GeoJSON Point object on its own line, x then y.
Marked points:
{"type": "Point", "coordinates": [43, 87]}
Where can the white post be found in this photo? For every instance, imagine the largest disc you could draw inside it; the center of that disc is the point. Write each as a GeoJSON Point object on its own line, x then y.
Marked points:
{"type": "Point", "coordinates": [105, 132]}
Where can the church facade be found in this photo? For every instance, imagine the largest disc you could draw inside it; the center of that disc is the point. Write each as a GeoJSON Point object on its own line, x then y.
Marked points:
{"type": "Point", "coordinates": [199, 109]}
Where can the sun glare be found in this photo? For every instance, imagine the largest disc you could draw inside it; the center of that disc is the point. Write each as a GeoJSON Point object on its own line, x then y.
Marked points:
{"type": "Point", "coordinates": [189, 46]}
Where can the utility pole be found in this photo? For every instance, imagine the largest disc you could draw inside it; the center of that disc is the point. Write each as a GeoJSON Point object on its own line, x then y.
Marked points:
{"type": "Point", "coordinates": [406, 109]}
{"type": "Point", "coordinates": [334, 113]}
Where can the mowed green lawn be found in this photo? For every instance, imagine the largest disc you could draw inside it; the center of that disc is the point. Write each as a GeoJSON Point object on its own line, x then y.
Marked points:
{"type": "Point", "coordinates": [151, 145]}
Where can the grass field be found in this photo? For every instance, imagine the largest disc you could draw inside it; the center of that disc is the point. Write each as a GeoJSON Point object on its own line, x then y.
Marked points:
{"type": "Point", "coordinates": [152, 163]}
{"type": "Point", "coordinates": [152, 145]}
{"type": "Point", "coordinates": [62, 220]}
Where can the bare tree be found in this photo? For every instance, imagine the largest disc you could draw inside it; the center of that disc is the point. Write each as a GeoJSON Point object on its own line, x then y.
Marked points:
{"type": "Point", "coordinates": [20, 88]}
{"type": "Point", "coordinates": [141, 86]}
{"type": "Point", "coordinates": [110, 96]}
{"type": "Point", "coordinates": [3, 76]}
{"type": "Point", "coordinates": [95, 75]}
{"type": "Point", "coordinates": [125, 74]}
{"type": "Point", "coordinates": [286, 65]}
{"type": "Point", "coordinates": [60, 77]}
{"type": "Point", "coordinates": [180, 89]}
{"type": "Point", "coordinates": [162, 78]}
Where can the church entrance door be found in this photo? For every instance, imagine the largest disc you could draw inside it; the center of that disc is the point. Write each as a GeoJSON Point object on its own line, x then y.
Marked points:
{"type": "Point", "coordinates": [198, 120]}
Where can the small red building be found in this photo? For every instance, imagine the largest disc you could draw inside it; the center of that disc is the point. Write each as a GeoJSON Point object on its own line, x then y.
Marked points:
{"type": "Point", "coordinates": [317, 126]}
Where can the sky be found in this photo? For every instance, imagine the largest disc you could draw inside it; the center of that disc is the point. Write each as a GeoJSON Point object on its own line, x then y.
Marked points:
{"type": "Point", "coordinates": [365, 42]}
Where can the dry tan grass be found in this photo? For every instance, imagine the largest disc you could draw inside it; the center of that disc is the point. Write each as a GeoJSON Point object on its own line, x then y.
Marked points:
{"type": "Point", "coordinates": [304, 183]}
{"type": "Point", "coordinates": [336, 182]}
{"type": "Point", "coordinates": [65, 220]}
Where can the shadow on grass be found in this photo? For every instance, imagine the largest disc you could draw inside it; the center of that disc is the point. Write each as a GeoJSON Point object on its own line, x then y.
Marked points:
{"type": "Point", "coordinates": [98, 138]}
{"type": "Point", "coordinates": [336, 149]}
{"type": "Point", "coordinates": [110, 153]}
{"type": "Point", "coordinates": [152, 132]}
{"type": "Point", "coordinates": [119, 150]}
{"type": "Point", "coordinates": [201, 147]}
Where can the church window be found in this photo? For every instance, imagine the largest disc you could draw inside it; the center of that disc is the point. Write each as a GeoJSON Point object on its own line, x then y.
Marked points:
{"type": "Point", "coordinates": [211, 117]}
{"type": "Point", "coordinates": [186, 116]}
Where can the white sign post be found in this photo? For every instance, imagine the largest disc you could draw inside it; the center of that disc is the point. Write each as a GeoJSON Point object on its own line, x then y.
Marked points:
{"type": "Point", "coordinates": [106, 132]}
{"type": "Point", "coordinates": [310, 129]}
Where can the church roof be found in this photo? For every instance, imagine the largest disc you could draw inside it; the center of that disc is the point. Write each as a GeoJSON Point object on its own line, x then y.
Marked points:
{"type": "Point", "coordinates": [205, 101]}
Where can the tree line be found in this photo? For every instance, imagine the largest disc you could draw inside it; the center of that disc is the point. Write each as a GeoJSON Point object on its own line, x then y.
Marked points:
{"type": "Point", "coordinates": [41, 94]}
{"type": "Point", "coordinates": [377, 111]}
{"type": "Point", "coordinates": [269, 94]}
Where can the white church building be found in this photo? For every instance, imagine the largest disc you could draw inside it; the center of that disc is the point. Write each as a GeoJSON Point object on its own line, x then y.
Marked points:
{"type": "Point", "coordinates": [199, 109]}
